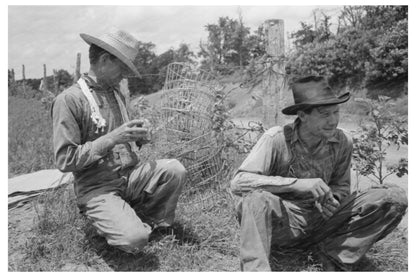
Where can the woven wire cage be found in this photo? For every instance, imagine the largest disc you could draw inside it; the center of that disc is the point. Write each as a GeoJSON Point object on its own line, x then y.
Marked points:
{"type": "Point", "coordinates": [188, 91]}
{"type": "Point", "coordinates": [185, 112]}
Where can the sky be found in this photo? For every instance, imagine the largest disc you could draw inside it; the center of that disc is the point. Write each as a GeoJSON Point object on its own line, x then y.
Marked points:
{"type": "Point", "coordinates": [49, 35]}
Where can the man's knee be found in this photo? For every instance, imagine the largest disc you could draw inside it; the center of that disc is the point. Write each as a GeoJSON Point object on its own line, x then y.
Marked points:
{"type": "Point", "coordinates": [397, 198]}
{"type": "Point", "coordinates": [257, 201]}
{"type": "Point", "coordinates": [131, 241]}
{"type": "Point", "coordinates": [175, 169]}
{"type": "Point", "coordinates": [397, 195]}
{"type": "Point", "coordinates": [391, 199]}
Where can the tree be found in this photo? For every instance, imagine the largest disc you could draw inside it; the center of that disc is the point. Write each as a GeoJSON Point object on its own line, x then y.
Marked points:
{"type": "Point", "coordinates": [323, 31]}
{"type": "Point", "coordinates": [143, 61]}
{"type": "Point", "coordinates": [145, 56]}
{"type": "Point", "coordinates": [389, 57]}
{"type": "Point", "coordinates": [351, 16]}
{"type": "Point", "coordinates": [227, 45]}
{"type": "Point", "coordinates": [64, 79]}
{"type": "Point", "coordinates": [304, 36]}
{"type": "Point", "coordinates": [382, 18]}
{"type": "Point", "coordinates": [388, 25]}
{"type": "Point", "coordinates": [385, 128]}
{"type": "Point", "coordinates": [182, 54]}
{"type": "Point", "coordinates": [256, 43]}
{"type": "Point", "coordinates": [370, 46]}
{"type": "Point", "coordinates": [153, 67]}
{"type": "Point", "coordinates": [317, 33]}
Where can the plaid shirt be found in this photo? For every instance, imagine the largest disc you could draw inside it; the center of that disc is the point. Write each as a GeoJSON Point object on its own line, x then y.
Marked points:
{"type": "Point", "coordinates": [280, 157]}
{"type": "Point", "coordinates": [78, 146]}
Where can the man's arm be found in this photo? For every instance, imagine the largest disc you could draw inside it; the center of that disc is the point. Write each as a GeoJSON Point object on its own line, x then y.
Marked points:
{"type": "Point", "coordinates": [254, 172]}
{"type": "Point", "coordinates": [246, 181]}
{"type": "Point", "coordinates": [70, 154]}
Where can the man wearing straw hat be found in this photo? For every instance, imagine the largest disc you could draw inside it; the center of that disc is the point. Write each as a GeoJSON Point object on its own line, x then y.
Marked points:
{"type": "Point", "coordinates": [95, 140]}
{"type": "Point", "coordinates": [295, 188]}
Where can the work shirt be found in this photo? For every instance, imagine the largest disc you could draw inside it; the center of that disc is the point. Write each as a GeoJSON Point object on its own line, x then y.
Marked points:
{"type": "Point", "coordinates": [281, 154]}
{"type": "Point", "coordinates": [78, 144]}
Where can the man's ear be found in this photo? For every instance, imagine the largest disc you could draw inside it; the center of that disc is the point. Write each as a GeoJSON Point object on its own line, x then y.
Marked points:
{"type": "Point", "coordinates": [104, 57]}
{"type": "Point", "coordinates": [301, 115]}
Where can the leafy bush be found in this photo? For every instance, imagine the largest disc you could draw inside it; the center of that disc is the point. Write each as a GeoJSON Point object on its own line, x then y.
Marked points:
{"type": "Point", "coordinates": [389, 57]}
{"type": "Point", "coordinates": [371, 142]}
{"type": "Point", "coordinates": [369, 49]}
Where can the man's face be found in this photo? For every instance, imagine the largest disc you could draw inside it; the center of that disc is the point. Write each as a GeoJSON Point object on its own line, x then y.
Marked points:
{"type": "Point", "coordinates": [322, 121]}
{"type": "Point", "coordinates": [114, 70]}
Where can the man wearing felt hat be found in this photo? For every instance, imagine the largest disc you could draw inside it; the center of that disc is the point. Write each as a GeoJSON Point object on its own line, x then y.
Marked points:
{"type": "Point", "coordinates": [295, 188]}
{"type": "Point", "coordinates": [94, 139]}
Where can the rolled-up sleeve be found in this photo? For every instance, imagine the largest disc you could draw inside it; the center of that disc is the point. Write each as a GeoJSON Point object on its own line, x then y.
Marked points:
{"type": "Point", "coordinates": [255, 171]}
{"type": "Point", "coordinates": [69, 153]}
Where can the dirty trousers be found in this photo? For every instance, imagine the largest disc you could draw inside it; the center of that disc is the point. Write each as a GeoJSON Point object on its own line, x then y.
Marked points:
{"type": "Point", "coordinates": [125, 214]}
{"type": "Point", "coordinates": [361, 220]}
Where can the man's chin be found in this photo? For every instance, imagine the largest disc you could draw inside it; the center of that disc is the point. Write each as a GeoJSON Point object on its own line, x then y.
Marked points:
{"type": "Point", "coordinates": [329, 133]}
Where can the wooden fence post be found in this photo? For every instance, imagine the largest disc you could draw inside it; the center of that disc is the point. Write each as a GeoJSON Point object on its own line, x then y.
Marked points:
{"type": "Point", "coordinates": [24, 79]}
{"type": "Point", "coordinates": [45, 80]}
{"type": "Point", "coordinates": [55, 82]}
{"type": "Point", "coordinates": [13, 76]}
{"type": "Point", "coordinates": [274, 79]}
{"type": "Point", "coordinates": [12, 83]}
{"type": "Point", "coordinates": [78, 68]}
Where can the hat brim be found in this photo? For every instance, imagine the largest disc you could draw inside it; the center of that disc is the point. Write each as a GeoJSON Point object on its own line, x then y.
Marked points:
{"type": "Point", "coordinates": [293, 109]}
{"type": "Point", "coordinates": [112, 50]}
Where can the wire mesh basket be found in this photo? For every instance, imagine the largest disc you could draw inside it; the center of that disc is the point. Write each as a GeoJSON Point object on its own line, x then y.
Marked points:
{"type": "Point", "coordinates": [185, 112]}
{"type": "Point", "coordinates": [188, 92]}
{"type": "Point", "coordinates": [206, 169]}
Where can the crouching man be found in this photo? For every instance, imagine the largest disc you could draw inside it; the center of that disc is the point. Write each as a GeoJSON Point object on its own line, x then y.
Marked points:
{"type": "Point", "coordinates": [295, 188]}
{"type": "Point", "coordinates": [95, 140]}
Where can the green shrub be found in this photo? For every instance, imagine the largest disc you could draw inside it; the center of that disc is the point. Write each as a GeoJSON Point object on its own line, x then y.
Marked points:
{"type": "Point", "coordinates": [384, 128]}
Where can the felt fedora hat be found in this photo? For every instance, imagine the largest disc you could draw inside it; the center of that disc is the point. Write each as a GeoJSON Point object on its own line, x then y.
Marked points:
{"type": "Point", "coordinates": [313, 91]}
{"type": "Point", "coordinates": [118, 43]}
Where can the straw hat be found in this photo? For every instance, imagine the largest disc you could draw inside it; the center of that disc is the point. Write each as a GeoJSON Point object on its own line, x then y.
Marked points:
{"type": "Point", "coordinates": [119, 43]}
{"type": "Point", "coordinates": [313, 91]}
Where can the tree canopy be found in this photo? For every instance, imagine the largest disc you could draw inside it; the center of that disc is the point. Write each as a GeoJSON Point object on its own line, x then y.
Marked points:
{"type": "Point", "coordinates": [370, 46]}
{"type": "Point", "coordinates": [230, 45]}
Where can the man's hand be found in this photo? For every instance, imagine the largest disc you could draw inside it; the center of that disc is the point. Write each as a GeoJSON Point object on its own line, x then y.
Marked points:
{"type": "Point", "coordinates": [313, 189]}
{"type": "Point", "coordinates": [317, 191]}
{"type": "Point", "coordinates": [329, 208]}
{"type": "Point", "coordinates": [129, 131]}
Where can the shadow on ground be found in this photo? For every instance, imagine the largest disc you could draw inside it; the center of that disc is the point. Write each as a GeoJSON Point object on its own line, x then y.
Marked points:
{"type": "Point", "coordinates": [307, 260]}
{"type": "Point", "coordinates": [147, 260]}
{"type": "Point", "coordinates": [293, 260]}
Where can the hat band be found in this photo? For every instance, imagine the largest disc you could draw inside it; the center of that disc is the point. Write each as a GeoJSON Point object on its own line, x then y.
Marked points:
{"type": "Point", "coordinates": [316, 101]}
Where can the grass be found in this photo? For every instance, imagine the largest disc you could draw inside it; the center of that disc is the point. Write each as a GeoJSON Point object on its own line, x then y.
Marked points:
{"type": "Point", "coordinates": [63, 239]}
{"type": "Point", "coordinates": [30, 136]}
{"type": "Point", "coordinates": [205, 237]}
